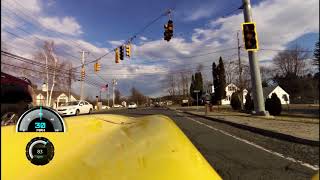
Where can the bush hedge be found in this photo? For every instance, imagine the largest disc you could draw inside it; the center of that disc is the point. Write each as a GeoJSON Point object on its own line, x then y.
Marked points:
{"type": "Point", "coordinates": [273, 105]}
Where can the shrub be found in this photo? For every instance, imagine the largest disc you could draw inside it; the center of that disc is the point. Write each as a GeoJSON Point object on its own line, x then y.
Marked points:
{"type": "Point", "coordinates": [249, 105]}
{"type": "Point", "coordinates": [273, 105]}
{"type": "Point", "coordinates": [235, 101]}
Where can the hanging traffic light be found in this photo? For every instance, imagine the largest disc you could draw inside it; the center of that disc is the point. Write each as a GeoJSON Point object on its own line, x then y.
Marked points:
{"type": "Point", "coordinates": [250, 36]}
{"type": "Point", "coordinates": [83, 74]}
{"type": "Point", "coordinates": [97, 67]}
{"type": "Point", "coordinates": [128, 50]}
{"type": "Point", "coordinates": [117, 55]}
{"type": "Point", "coordinates": [121, 52]}
{"type": "Point", "coordinates": [168, 30]}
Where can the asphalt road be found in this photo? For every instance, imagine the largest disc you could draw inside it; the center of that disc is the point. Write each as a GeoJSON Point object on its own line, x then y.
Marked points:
{"type": "Point", "coordinates": [240, 154]}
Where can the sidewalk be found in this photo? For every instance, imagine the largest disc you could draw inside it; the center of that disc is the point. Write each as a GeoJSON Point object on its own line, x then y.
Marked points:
{"type": "Point", "coordinates": [307, 129]}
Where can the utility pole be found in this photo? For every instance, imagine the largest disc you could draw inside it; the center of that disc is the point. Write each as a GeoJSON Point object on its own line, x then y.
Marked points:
{"type": "Point", "coordinates": [82, 80]}
{"type": "Point", "coordinates": [240, 72]}
{"type": "Point", "coordinates": [114, 83]}
{"type": "Point", "coordinates": [259, 108]}
{"type": "Point", "coordinates": [47, 80]}
{"type": "Point", "coordinates": [69, 82]}
{"type": "Point", "coordinates": [108, 96]}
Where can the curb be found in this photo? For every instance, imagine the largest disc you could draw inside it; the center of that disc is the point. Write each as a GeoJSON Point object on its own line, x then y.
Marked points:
{"type": "Point", "coordinates": [263, 132]}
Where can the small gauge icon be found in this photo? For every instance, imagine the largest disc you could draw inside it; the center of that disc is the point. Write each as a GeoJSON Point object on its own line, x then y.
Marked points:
{"type": "Point", "coordinates": [40, 151]}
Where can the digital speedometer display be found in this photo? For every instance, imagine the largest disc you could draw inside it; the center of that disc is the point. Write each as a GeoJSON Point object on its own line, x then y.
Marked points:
{"type": "Point", "coordinates": [40, 119]}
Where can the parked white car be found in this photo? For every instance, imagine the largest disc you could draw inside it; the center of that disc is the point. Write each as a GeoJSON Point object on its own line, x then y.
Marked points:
{"type": "Point", "coordinates": [132, 105]}
{"type": "Point", "coordinates": [117, 106]}
{"type": "Point", "coordinates": [105, 107]}
{"type": "Point", "coordinates": [75, 108]}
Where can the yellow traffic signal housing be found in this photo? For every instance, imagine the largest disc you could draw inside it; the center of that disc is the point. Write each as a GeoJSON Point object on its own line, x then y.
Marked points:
{"type": "Point", "coordinates": [97, 67]}
{"type": "Point", "coordinates": [128, 50]}
{"type": "Point", "coordinates": [250, 37]}
{"type": "Point", "coordinates": [117, 55]}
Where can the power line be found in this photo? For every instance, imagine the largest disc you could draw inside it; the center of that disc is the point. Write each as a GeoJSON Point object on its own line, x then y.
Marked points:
{"type": "Point", "coordinates": [30, 61]}
{"type": "Point", "coordinates": [34, 37]}
{"type": "Point", "coordinates": [130, 39]}
{"type": "Point", "coordinates": [31, 17]}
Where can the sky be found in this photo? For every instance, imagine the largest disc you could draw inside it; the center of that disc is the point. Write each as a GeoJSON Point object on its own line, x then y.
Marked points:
{"type": "Point", "coordinates": [200, 27]}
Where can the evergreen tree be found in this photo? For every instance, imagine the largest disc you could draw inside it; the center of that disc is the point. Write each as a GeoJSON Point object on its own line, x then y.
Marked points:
{"type": "Point", "coordinates": [192, 86]}
{"type": "Point", "coordinates": [215, 82]}
{"type": "Point", "coordinates": [219, 81]}
{"type": "Point", "coordinates": [222, 79]}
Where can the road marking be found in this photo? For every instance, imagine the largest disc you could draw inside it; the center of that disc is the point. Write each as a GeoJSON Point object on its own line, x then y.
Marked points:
{"type": "Point", "coordinates": [313, 167]}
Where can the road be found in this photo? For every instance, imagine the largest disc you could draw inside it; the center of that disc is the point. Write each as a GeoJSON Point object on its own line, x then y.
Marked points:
{"type": "Point", "coordinates": [240, 154]}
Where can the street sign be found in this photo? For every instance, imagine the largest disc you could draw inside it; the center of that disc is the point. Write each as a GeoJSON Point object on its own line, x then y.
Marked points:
{"type": "Point", "coordinates": [196, 91]}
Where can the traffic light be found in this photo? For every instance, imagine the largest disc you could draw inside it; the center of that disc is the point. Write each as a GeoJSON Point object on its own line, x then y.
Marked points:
{"type": "Point", "coordinates": [117, 55]}
{"type": "Point", "coordinates": [83, 74]}
{"type": "Point", "coordinates": [128, 50]}
{"type": "Point", "coordinates": [97, 67]}
{"type": "Point", "coordinates": [168, 30]}
{"type": "Point", "coordinates": [121, 52]}
{"type": "Point", "coordinates": [250, 36]}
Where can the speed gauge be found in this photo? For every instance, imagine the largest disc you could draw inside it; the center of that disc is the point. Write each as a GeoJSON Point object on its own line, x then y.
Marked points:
{"type": "Point", "coordinates": [40, 119]}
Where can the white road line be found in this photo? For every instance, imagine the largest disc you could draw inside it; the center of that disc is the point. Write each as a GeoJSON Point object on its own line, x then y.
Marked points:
{"type": "Point", "coordinates": [313, 167]}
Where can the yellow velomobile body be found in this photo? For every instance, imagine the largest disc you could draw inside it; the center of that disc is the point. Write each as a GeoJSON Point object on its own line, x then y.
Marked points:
{"type": "Point", "coordinates": [108, 147]}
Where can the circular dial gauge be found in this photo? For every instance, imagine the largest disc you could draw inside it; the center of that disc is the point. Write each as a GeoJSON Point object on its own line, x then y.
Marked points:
{"type": "Point", "coordinates": [40, 119]}
{"type": "Point", "coordinates": [40, 151]}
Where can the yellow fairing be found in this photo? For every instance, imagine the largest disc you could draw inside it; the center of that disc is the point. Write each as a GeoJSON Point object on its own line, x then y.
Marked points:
{"type": "Point", "coordinates": [108, 147]}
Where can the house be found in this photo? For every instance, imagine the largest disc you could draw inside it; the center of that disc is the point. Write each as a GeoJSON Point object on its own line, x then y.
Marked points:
{"type": "Point", "coordinates": [58, 98]}
{"type": "Point", "coordinates": [230, 89]}
{"type": "Point", "coordinates": [282, 94]}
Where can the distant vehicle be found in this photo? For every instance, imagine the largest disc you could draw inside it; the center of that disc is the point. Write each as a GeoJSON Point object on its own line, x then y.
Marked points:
{"type": "Point", "coordinates": [185, 102]}
{"type": "Point", "coordinates": [157, 104]}
{"type": "Point", "coordinates": [17, 96]}
{"type": "Point", "coordinates": [105, 107]}
{"type": "Point", "coordinates": [132, 105]}
{"type": "Point", "coordinates": [117, 106]}
{"type": "Point", "coordinates": [75, 108]}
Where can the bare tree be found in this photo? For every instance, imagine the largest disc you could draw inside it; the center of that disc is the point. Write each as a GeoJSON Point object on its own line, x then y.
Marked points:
{"type": "Point", "coordinates": [231, 72]}
{"type": "Point", "coordinates": [137, 96]}
{"type": "Point", "coordinates": [291, 61]}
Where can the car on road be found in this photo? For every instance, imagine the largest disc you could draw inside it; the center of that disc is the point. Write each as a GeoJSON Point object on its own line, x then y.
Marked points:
{"type": "Point", "coordinates": [105, 107]}
{"type": "Point", "coordinates": [75, 108]}
{"type": "Point", "coordinates": [117, 106]}
{"type": "Point", "coordinates": [157, 104]}
{"type": "Point", "coordinates": [132, 105]}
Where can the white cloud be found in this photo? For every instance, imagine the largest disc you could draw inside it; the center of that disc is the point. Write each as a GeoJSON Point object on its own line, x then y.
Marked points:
{"type": "Point", "coordinates": [142, 38]}
{"type": "Point", "coordinates": [199, 14]}
{"type": "Point", "coordinates": [278, 23]}
{"type": "Point", "coordinates": [116, 43]}
{"type": "Point", "coordinates": [66, 25]}
{"type": "Point", "coordinates": [34, 11]}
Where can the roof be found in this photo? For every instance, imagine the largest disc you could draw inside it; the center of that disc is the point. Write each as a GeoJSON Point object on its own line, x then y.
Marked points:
{"type": "Point", "coordinates": [55, 94]}
{"type": "Point", "coordinates": [268, 90]}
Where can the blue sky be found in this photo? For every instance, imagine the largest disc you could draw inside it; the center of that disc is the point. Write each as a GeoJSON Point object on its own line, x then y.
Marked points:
{"type": "Point", "coordinates": [200, 27]}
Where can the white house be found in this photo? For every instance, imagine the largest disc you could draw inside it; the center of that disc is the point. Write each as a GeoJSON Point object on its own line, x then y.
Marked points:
{"type": "Point", "coordinates": [282, 94]}
{"type": "Point", "coordinates": [230, 89]}
{"type": "Point", "coordinates": [58, 98]}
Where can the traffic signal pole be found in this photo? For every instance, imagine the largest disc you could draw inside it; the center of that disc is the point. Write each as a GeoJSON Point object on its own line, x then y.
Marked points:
{"type": "Point", "coordinates": [259, 108]}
